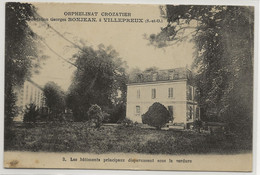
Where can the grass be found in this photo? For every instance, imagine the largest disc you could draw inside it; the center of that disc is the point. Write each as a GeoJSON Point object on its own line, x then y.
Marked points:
{"type": "Point", "coordinates": [79, 137]}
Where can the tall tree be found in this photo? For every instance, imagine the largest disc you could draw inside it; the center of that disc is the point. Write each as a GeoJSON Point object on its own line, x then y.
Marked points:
{"type": "Point", "coordinates": [55, 98]}
{"type": "Point", "coordinates": [224, 37]}
{"type": "Point", "coordinates": [100, 79]}
{"type": "Point", "coordinates": [21, 54]}
{"type": "Point", "coordinates": [133, 74]}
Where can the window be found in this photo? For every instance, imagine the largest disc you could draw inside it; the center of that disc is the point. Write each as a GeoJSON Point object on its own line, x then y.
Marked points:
{"type": "Point", "coordinates": [190, 112]}
{"type": "Point", "coordinates": [137, 109]}
{"type": "Point", "coordinates": [189, 93]}
{"type": "Point", "coordinates": [196, 94]}
{"type": "Point", "coordinates": [138, 93]}
{"type": "Point", "coordinates": [171, 75]}
{"type": "Point", "coordinates": [170, 93]}
{"type": "Point", "coordinates": [26, 93]}
{"type": "Point", "coordinates": [35, 96]}
{"type": "Point", "coordinates": [176, 75]}
{"type": "Point", "coordinates": [153, 93]}
{"type": "Point", "coordinates": [39, 97]}
{"type": "Point", "coordinates": [197, 112]}
{"type": "Point", "coordinates": [155, 76]}
{"type": "Point", "coordinates": [31, 96]}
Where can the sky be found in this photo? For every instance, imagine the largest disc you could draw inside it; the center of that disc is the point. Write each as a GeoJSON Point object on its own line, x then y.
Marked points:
{"type": "Point", "coordinates": [126, 38]}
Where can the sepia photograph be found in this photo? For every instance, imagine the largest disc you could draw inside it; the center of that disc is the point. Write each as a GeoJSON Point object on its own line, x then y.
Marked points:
{"type": "Point", "coordinates": [129, 86]}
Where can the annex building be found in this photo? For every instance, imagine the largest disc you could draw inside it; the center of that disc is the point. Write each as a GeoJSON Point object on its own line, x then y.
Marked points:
{"type": "Point", "coordinates": [29, 92]}
{"type": "Point", "coordinates": [172, 87]}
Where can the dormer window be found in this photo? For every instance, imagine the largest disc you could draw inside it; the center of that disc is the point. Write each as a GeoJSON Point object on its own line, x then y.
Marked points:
{"type": "Point", "coordinates": [154, 76]}
{"type": "Point", "coordinates": [171, 75]}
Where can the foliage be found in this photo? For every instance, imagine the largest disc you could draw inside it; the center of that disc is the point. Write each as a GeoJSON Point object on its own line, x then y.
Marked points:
{"type": "Point", "coordinates": [10, 112]}
{"type": "Point", "coordinates": [224, 38]}
{"type": "Point", "coordinates": [117, 113]}
{"type": "Point", "coordinates": [31, 113]}
{"type": "Point", "coordinates": [55, 97]}
{"type": "Point", "coordinates": [77, 137]}
{"type": "Point", "coordinates": [100, 79]}
{"type": "Point", "coordinates": [151, 70]}
{"type": "Point", "coordinates": [126, 122]}
{"type": "Point", "coordinates": [20, 42]}
{"type": "Point", "coordinates": [133, 74]}
{"type": "Point", "coordinates": [96, 115]}
{"type": "Point", "coordinates": [10, 107]}
{"type": "Point", "coordinates": [21, 54]}
{"type": "Point", "coordinates": [157, 115]}
{"type": "Point", "coordinates": [43, 117]}
{"type": "Point", "coordinates": [197, 125]}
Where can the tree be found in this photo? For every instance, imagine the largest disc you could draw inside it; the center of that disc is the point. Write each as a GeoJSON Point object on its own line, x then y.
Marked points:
{"type": "Point", "coordinates": [224, 37]}
{"type": "Point", "coordinates": [151, 70]}
{"type": "Point", "coordinates": [100, 79]}
{"type": "Point", "coordinates": [55, 98]}
{"type": "Point", "coordinates": [134, 75]}
{"type": "Point", "coordinates": [157, 116]}
{"type": "Point", "coordinates": [96, 115]}
{"type": "Point", "coordinates": [31, 113]}
{"type": "Point", "coordinates": [21, 54]}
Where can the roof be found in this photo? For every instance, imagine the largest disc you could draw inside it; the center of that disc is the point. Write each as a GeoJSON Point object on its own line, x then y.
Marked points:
{"type": "Point", "coordinates": [155, 82]}
{"type": "Point", "coordinates": [159, 76]}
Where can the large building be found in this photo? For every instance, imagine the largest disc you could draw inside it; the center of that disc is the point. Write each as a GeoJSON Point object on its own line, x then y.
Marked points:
{"type": "Point", "coordinates": [173, 88]}
{"type": "Point", "coordinates": [26, 94]}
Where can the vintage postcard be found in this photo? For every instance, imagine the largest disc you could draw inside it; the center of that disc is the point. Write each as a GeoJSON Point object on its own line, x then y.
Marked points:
{"type": "Point", "coordinates": [127, 86]}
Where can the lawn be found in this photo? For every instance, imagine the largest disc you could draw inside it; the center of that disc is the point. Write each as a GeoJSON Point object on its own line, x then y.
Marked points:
{"type": "Point", "coordinates": [80, 137]}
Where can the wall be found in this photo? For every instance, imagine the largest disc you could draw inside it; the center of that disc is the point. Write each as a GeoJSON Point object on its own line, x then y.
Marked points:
{"type": "Point", "coordinates": [178, 101]}
{"type": "Point", "coordinates": [30, 94]}
{"type": "Point", "coordinates": [26, 94]}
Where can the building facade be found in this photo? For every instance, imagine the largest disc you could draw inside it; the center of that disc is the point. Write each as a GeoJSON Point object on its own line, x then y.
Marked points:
{"type": "Point", "coordinates": [173, 88]}
{"type": "Point", "coordinates": [26, 94]}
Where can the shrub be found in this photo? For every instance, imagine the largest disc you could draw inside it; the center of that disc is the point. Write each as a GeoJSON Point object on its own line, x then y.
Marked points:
{"type": "Point", "coordinates": [157, 116]}
{"type": "Point", "coordinates": [96, 115]}
{"type": "Point", "coordinates": [43, 118]}
{"type": "Point", "coordinates": [31, 113]}
{"type": "Point", "coordinates": [118, 113]}
{"type": "Point", "coordinates": [197, 125]}
{"type": "Point", "coordinates": [107, 117]}
{"type": "Point", "coordinates": [126, 122]}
